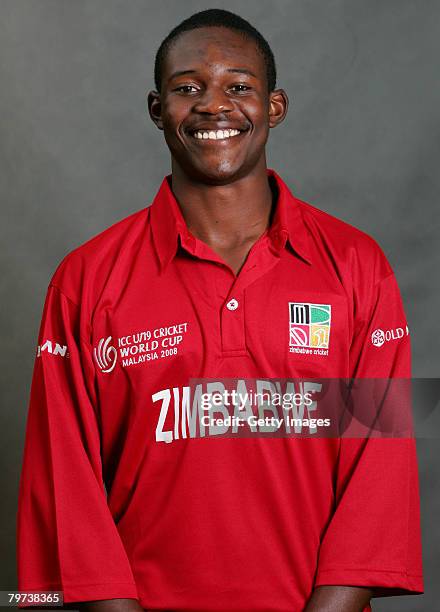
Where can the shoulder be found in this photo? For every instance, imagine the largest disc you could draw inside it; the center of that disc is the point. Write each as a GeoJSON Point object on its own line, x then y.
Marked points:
{"type": "Point", "coordinates": [350, 247]}
{"type": "Point", "coordinates": [89, 264]}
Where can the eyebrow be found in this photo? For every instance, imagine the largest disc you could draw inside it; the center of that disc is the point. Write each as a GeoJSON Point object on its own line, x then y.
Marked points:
{"type": "Point", "coordinates": [235, 70]}
{"type": "Point", "coordinates": [242, 71]}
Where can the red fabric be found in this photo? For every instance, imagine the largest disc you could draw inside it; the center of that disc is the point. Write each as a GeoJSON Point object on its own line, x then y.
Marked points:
{"type": "Point", "coordinates": [207, 522]}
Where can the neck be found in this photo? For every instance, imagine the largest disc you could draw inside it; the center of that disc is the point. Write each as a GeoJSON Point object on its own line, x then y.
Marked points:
{"type": "Point", "coordinates": [225, 216]}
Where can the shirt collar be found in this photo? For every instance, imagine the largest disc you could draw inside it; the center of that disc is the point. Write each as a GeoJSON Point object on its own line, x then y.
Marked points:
{"type": "Point", "coordinates": [170, 230]}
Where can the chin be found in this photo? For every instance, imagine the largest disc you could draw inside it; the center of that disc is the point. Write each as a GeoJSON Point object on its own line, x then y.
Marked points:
{"type": "Point", "coordinates": [218, 174]}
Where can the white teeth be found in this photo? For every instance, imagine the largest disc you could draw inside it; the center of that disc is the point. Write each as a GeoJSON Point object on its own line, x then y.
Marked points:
{"type": "Point", "coordinates": [215, 135]}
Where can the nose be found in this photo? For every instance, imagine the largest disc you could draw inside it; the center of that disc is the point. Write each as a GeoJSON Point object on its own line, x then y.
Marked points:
{"type": "Point", "coordinates": [213, 101]}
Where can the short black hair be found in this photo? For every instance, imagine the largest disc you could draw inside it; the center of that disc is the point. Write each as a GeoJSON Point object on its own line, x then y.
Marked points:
{"type": "Point", "coordinates": [217, 18]}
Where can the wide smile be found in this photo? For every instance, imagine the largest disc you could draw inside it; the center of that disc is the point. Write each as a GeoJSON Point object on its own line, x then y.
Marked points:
{"type": "Point", "coordinates": [216, 136]}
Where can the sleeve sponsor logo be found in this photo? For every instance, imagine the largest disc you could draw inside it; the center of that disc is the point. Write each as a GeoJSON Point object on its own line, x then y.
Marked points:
{"type": "Point", "coordinates": [53, 348]}
{"type": "Point", "coordinates": [309, 328]}
{"type": "Point", "coordinates": [380, 336]}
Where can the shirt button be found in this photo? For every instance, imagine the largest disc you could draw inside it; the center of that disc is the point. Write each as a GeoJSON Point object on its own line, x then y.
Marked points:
{"type": "Point", "coordinates": [232, 305]}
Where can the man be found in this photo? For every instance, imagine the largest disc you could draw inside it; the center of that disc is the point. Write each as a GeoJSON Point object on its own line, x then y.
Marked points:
{"type": "Point", "coordinates": [226, 276]}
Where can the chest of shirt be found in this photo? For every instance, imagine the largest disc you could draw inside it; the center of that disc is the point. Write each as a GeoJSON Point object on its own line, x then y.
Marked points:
{"type": "Point", "coordinates": [282, 317]}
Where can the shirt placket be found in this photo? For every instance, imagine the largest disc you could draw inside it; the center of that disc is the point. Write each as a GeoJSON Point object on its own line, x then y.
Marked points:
{"type": "Point", "coordinates": [232, 312]}
{"type": "Point", "coordinates": [230, 289]}
{"type": "Point", "coordinates": [232, 296]}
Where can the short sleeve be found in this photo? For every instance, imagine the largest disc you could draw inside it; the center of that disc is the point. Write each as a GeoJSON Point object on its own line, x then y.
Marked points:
{"type": "Point", "coordinates": [373, 538]}
{"type": "Point", "coordinates": [66, 537]}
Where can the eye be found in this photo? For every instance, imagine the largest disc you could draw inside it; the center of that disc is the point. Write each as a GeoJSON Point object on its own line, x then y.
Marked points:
{"type": "Point", "coordinates": [240, 87]}
{"type": "Point", "coordinates": [186, 89]}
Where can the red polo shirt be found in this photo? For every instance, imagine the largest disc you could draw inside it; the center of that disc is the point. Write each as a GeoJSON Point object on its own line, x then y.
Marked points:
{"type": "Point", "coordinates": [188, 519]}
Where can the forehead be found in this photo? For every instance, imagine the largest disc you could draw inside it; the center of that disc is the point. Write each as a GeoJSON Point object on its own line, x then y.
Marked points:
{"type": "Point", "coordinates": [213, 48]}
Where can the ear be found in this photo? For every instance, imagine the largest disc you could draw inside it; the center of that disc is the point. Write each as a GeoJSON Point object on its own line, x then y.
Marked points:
{"type": "Point", "coordinates": [155, 108]}
{"type": "Point", "coordinates": [278, 105]}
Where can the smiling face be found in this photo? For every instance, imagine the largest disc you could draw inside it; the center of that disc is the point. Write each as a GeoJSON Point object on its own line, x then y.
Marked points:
{"type": "Point", "coordinates": [214, 106]}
